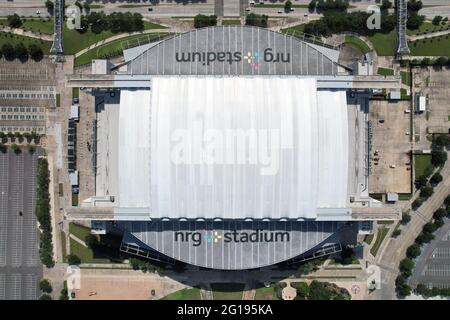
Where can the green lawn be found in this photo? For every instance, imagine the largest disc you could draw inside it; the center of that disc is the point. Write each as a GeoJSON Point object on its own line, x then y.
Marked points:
{"type": "Point", "coordinates": [436, 46]}
{"type": "Point", "coordinates": [384, 43]}
{"type": "Point", "coordinates": [79, 231]}
{"type": "Point", "coordinates": [404, 196]}
{"type": "Point", "coordinates": [264, 293]}
{"type": "Point", "coordinates": [86, 255]}
{"type": "Point", "coordinates": [58, 100]}
{"type": "Point", "coordinates": [114, 48]}
{"type": "Point", "coordinates": [427, 27]}
{"type": "Point", "coordinates": [151, 25]}
{"type": "Point", "coordinates": [74, 41]}
{"type": "Point", "coordinates": [227, 291]}
{"type": "Point", "coordinates": [357, 43]}
{"type": "Point", "coordinates": [74, 199]}
{"type": "Point", "coordinates": [231, 22]}
{"type": "Point", "coordinates": [292, 30]}
{"type": "Point", "coordinates": [36, 25]}
{"type": "Point", "coordinates": [274, 5]}
{"type": "Point", "coordinates": [385, 222]}
{"type": "Point", "coordinates": [63, 245]}
{"type": "Point", "coordinates": [368, 239]}
{"type": "Point", "coordinates": [421, 162]}
{"type": "Point", "coordinates": [184, 294]}
{"type": "Point", "coordinates": [406, 78]}
{"type": "Point", "coordinates": [385, 72]}
{"type": "Point", "coordinates": [75, 93]}
{"type": "Point", "coordinates": [16, 39]}
{"type": "Point", "coordinates": [381, 234]}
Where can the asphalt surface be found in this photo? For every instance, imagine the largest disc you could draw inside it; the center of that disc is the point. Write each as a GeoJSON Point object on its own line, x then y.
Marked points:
{"type": "Point", "coordinates": [20, 267]}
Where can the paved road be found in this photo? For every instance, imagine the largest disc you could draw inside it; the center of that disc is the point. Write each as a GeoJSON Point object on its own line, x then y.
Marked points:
{"type": "Point", "coordinates": [395, 249]}
{"type": "Point", "coordinates": [20, 268]}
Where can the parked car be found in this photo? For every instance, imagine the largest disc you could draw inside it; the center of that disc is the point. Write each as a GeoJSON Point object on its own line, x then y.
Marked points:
{"type": "Point", "coordinates": [75, 100]}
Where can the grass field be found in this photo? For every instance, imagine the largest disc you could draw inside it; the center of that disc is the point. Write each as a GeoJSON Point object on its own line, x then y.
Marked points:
{"type": "Point", "coordinates": [63, 245]}
{"type": "Point", "coordinates": [264, 293]}
{"type": "Point", "coordinates": [385, 222]}
{"type": "Point", "coordinates": [427, 27]}
{"type": "Point", "coordinates": [79, 231]}
{"type": "Point", "coordinates": [421, 162]}
{"type": "Point", "coordinates": [406, 78]}
{"type": "Point", "coordinates": [75, 93]}
{"type": "Point", "coordinates": [16, 39]}
{"type": "Point", "coordinates": [381, 234]}
{"type": "Point", "coordinates": [113, 48]}
{"type": "Point", "coordinates": [357, 43]}
{"type": "Point", "coordinates": [184, 294]}
{"type": "Point", "coordinates": [227, 291]}
{"type": "Point", "coordinates": [36, 25]}
{"type": "Point", "coordinates": [298, 28]}
{"type": "Point", "coordinates": [368, 239]}
{"type": "Point", "coordinates": [86, 255]}
{"type": "Point", "coordinates": [384, 43]}
{"type": "Point", "coordinates": [385, 72]}
{"type": "Point", "coordinates": [436, 46]}
{"type": "Point", "coordinates": [231, 22]}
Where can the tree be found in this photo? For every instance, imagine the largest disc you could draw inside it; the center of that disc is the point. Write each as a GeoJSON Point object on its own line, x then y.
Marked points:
{"type": "Point", "coordinates": [440, 213]}
{"type": "Point", "coordinates": [73, 259]}
{"type": "Point", "coordinates": [8, 51]}
{"type": "Point", "coordinates": [16, 148]}
{"type": "Point", "coordinates": [436, 178]}
{"type": "Point", "coordinates": [438, 158]}
{"type": "Point", "coordinates": [202, 21]}
{"type": "Point", "coordinates": [87, 7]}
{"type": "Point", "coordinates": [426, 192]}
{"type": "Point", "coordinates": [421, 182]}
{"type": "Point", "coordinates": [50, 6]}
{"type": "Point", "coordinates": [302, 290]}
{"type": "Point", "coordinates": [347, 256]}
{"type": "Point", "coordinates": [414, 21]}
{"type": "Point", "coordinates": [45, 286]}
{"type": "Point", "coordinates": [21, 51]}
{"type": "Point", "coordinates": [36, 52]}
{"type": "Point", "coordinates": [396, 233]}
{"type": "Point", "coordinates": [406, 218]}
{"type": "Point", "coordinates": [257, 20]}
{"type": "Point", "coordinates": [312, 6]}
{"type": "Point", "coordinates": [406, 266]}
{"type": "Point", "coordinates": [416, 203]}
{"type": "Point", "coordinates": [441, 140]}
{"type": "Point", "coordinates": [402, 287]}
{"type": "Point", "coordinates": [437, 20]}
{"type": "Point", "coordinates": [14, 21]}
{"type": "Point", "coordinates": [385, 5]}
{"type": "Point", "coordinates": [414, 5]}
{"type": "Point", "coordinates": [447, 200]}
{"type": "Point", "coordinates": [45, 297]}
{"type": "Point", "coordinates": [288, 6]}
{"type": "Point", "coordinates": [91, 240]}
{"type": "Point", "coordinates": [413, 251]}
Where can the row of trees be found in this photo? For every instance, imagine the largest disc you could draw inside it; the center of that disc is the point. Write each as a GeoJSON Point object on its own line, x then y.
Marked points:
{"type": "Point", "coordinates": [356, 22]}
{"type": "Point", "coordinates": [438, 62]}
{"type": "Point", "coordinates": [20, 51]}
{"type": "Point", "coordinates": [43, 213]}
{"type": "Point", "coordinates": [320, 290]}
{"type": "Point", "coordinates": [116, 22]}
{"type": "Point", "coordinates": [257, 20]}
{"type": "Point", "coordinates": [407, 264]}
{"type": "Point", "coordinates": [202, 21]}
{"type": "Point", "coordinates": [321, 6]}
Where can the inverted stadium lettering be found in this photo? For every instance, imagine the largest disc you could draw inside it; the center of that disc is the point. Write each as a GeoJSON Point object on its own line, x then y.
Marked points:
{"type": "Point", "coordinates": [235, 236]}
{"type": "Point", "coordinates": [208, 57]}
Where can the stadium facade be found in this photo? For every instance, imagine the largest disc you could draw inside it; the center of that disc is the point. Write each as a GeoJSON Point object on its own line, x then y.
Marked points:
{"type": "Point", "coordinates": [230, 148]}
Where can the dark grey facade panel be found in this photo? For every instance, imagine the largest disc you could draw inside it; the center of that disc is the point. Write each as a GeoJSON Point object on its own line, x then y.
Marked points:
{"type": "Point", "coordinates": [212, 244]}
{"type": "Point", "coordinates": [232, 50]}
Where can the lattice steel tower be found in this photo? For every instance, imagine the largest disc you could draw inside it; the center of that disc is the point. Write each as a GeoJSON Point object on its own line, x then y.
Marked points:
{"type": "Point", "coordinates": [402, 18]}
{"type": "Point", "coordinates": [57, 46]}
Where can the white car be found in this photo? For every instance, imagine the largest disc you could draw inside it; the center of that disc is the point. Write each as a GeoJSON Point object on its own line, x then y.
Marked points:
{"type": "Point", "coordinates": [280, 11]}
{"type": "Point", "coordinates": [38, 12]}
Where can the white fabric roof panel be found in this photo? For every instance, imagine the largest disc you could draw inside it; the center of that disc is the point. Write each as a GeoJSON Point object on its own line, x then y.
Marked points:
{"type": "Point", "coordinates": [233, 148]}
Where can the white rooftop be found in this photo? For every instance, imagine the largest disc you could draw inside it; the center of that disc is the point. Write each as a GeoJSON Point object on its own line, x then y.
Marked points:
{"type": "Point", "coordinates": [233, 148]}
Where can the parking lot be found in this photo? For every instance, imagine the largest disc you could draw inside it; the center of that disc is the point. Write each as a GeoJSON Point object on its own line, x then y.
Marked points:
{"type": "Point", "coordinates": [433, 83]}
{"type": "Point", "coordinates": [433, 265]}
{"type": "Point", "coordinates": [391, 165]}
{"type": "Point", "coordinates": [20, 268]}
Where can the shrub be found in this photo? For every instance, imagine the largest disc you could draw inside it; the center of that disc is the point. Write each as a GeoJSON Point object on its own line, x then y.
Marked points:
{"type": "Point", "coordinates": [73, 259]}
{"type": "Point", "coordinates": [436, 178]}
{"type": "Point", "coordinates": [413, 251]}
{"type": "Point", "coordinates": [45, 286]}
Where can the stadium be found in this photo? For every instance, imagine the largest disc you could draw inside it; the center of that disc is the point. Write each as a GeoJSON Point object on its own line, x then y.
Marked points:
{"type": "Point", "coordinates": [231, 148]}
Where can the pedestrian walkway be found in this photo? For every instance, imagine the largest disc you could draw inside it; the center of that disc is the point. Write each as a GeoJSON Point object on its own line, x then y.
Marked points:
{"type": "Point", "coordinates": [21, 32]}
